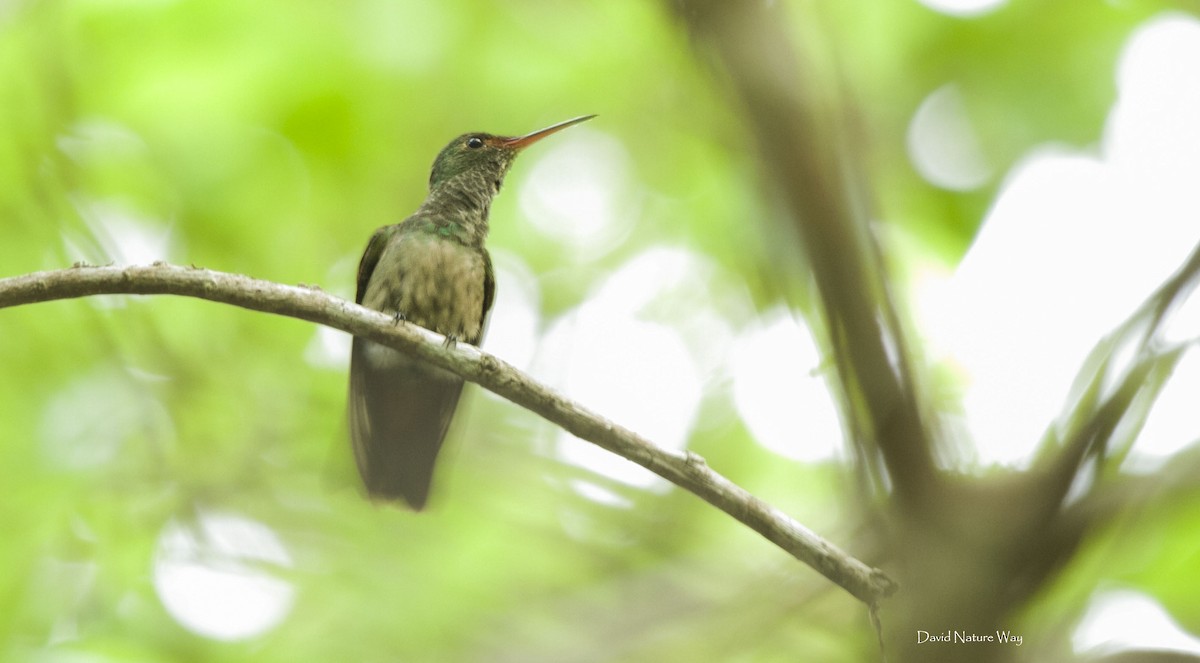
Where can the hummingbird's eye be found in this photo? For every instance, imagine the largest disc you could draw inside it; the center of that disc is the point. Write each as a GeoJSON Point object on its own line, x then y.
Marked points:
{"type": "Point", "coordinates": [474, 142]}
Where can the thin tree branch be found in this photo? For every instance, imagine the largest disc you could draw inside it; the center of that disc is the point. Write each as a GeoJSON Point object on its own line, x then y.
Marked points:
{"type": "Point", "coordinates": [684, 469]}
{"type": "Point", "coordinates": [1093, 416]}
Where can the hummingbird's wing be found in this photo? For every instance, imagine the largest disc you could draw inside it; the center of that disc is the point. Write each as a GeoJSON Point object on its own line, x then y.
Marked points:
{"type": "Point", "coordinates": [370, 258]}
{"type": "Point", "coordinates": [398, 416]}
{"type": "Point", "coordinates": [489, 295]}
{"type": "Point", "coordinates": [400, 410]}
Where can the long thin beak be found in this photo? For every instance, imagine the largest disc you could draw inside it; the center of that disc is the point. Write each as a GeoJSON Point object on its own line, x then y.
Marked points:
{"type": "Point", "coordinates": [522, 142]}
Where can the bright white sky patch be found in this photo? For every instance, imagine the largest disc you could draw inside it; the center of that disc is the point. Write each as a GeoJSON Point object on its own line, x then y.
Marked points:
{"type": "Point", "coordinates": [963, 8]}
{"type": "Point", "coordinates": [213, 576]}
{"type": "Point", "coordinates": [577, 192]}
{"type": "Point", "coordinates": [329, 348]}
{"type": "Point", "coordinates": [1073, 244]}
{"type": "Point", "coordinates": [512, 333]}
{"type": "Point", "coordinates": [1172, 425]}
{"type": "Point", "coordinates": [1153, 133]}
{"type": "Point", "coordinates": [122, 236]}
{"type": "Point", "coordinates": [780, 394]}
{"type": "Point", "coordinates": [637, 371]}
{"type": "Point", "coordinates": [1124, 619]}
{"type": "Point", "coordinates": [634, 372]}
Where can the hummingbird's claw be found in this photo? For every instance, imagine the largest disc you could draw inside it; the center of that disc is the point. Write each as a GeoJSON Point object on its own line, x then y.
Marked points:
{"type": "Point", "coordinates": [399, 317]}
{"type": "Point", "coordinates": [451, 340]}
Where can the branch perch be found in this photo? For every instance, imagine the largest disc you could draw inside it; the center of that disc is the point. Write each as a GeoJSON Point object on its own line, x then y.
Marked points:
{"type": "Point", "coordinates": [683, 468]}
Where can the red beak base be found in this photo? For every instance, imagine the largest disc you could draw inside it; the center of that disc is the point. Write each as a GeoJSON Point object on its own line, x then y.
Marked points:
{"type": "Point", "coordinates": [522, 142]}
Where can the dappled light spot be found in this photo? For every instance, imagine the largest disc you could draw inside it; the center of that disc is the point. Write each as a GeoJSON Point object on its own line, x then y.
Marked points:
{"type": "Point", "coordinates": [630, 371]}
{"type": "Point", "coordinates": [579, 193]}
{"type": "Point", "coordinates": [98, 140]}
{"type": "Point", "coordinates": [86, 423]}
{"type": "Point", "coordinates": [599, 494]}
{"type": "Point", "coordinates": [964, 8]}
{"type": "Point", "coordinates": [608, 356]}
{"type": "Point", "coordinates": [516, 314]}
{"type": "Point", "coordinates": [376, 24]}
{"type": "Point", "coordinates": [942, 143]}
{"type": "Point", "coordinates": [117, 234]}
{"type": "Point", "coordinates": [329, 348]}
{"type": "Point", "coordinates": [120, 227]}
{"type": "Point", "coordinates": [780, 391]}
{"type": "Point", "coordinates": [214, 575]}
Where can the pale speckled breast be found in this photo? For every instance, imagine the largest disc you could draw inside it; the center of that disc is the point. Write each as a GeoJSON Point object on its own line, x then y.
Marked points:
{"type": "Point", "coordinates": [440, 286]}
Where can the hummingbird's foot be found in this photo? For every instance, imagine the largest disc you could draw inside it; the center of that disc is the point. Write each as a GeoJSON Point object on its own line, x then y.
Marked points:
{"type": "Point", "coordinates": [399, 317]}
{"type": "Point", "coordinates": [451, 340]}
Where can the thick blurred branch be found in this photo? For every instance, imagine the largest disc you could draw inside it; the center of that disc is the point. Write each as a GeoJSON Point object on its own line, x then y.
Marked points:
{"type": "Point", "coordinates": [801, 134]}
{"type": "Point", "coordinates": [969, 550]}
{"type": "Point", "coordinates": [684, 469]}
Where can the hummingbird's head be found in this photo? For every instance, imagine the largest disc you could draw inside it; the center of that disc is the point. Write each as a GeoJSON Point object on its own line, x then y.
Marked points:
{"type": "Point", "coordinates": [482, 155]}
{"type": "Point", "coordinates": [486, 157]}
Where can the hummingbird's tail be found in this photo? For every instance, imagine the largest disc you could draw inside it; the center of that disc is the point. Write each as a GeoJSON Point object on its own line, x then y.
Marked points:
{"type": "Point", "coordinates": [399, 413]}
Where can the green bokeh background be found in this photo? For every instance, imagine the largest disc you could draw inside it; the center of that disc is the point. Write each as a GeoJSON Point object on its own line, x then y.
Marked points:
{"type": "Point", "coordinates": [270, 138]}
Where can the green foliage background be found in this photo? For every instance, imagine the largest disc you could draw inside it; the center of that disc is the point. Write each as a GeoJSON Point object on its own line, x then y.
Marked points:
{"type": "Point", "coordinates": [270, 138]}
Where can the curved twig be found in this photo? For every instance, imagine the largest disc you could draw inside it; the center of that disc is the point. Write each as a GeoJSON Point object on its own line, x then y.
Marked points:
{"type": "Point", "coordinates": [682, 468]}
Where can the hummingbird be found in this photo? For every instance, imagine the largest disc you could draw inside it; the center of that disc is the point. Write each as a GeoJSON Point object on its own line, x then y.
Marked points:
{"type": "Point", "coordinates": [433, 270]}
